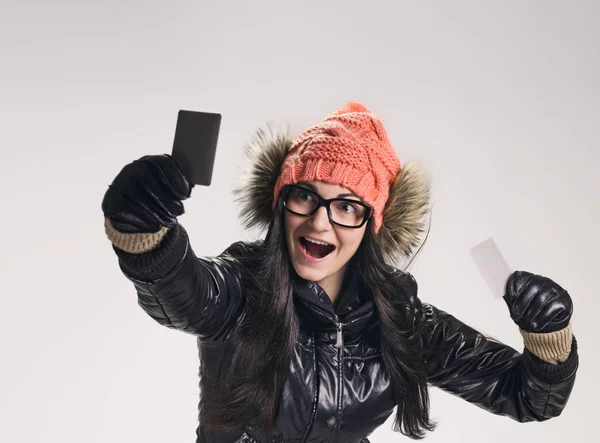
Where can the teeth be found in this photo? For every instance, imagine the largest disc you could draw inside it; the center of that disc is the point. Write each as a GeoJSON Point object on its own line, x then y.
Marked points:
{"type": "Point", "coordinates": [316, 242]}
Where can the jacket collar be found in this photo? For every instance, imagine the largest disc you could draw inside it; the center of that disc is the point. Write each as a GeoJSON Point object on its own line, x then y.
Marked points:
{"type": "Point", "coordinates": [354, 308]}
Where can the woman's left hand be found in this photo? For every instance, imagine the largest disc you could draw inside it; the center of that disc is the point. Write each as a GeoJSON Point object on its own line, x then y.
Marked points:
{"type": "Point", "coordinates": [537, 304]}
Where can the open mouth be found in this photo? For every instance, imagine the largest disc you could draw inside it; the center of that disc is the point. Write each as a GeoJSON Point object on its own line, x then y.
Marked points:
{"type": "Point", "coordinates": [316, 249]}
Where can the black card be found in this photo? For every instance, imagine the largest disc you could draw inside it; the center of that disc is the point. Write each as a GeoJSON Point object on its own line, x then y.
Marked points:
{"type": "Point", "coordinates": [195, 144]}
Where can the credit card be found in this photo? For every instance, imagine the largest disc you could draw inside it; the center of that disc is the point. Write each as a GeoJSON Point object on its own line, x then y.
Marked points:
{"type": "Point", "coordinates": [493, 267]}
{"type": "Point", "coordinates": [195, 144]}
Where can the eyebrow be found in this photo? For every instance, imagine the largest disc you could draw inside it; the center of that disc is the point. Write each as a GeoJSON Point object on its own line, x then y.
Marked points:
{"type": "Point", "coordinates": [314, 189]}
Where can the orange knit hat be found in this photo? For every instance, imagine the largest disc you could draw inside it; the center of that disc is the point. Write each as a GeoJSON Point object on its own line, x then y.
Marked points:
{"type": "Point", "coordinates": [349, 148]}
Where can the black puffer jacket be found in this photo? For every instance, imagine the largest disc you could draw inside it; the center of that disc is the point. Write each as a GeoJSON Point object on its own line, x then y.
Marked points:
{"type": "Point", "coordinates": [338, 390]}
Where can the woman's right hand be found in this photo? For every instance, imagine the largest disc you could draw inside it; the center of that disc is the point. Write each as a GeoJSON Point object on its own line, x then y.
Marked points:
{"type": "Point", "coordinates": [146, 195]}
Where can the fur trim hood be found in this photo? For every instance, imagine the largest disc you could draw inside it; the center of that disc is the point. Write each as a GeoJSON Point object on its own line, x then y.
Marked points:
{"type": "Point", "coordinates": [404, 217]}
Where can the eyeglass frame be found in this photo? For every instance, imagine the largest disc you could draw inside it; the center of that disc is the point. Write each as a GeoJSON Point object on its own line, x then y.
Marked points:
{"type": "Point", "coordinates": [325, 203]}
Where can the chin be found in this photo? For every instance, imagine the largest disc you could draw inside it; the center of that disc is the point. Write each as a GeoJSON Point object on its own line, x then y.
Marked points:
{"type": "Point", "coordinates": [310, 273]}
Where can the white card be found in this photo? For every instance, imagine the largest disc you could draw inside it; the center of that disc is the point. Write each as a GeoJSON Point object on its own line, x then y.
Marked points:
{"type": "Point", "coordinates": [492, 266]}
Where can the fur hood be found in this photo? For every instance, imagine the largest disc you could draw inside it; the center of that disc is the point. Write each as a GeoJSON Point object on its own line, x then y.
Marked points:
{"type": "Point", "coordinates": [404, 216]}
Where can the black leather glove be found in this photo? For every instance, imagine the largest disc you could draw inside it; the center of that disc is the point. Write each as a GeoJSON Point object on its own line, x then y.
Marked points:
{"type": "Point", "coordinates": [537, 304]}
{"type": "Point", "coordinates": [146, 195]}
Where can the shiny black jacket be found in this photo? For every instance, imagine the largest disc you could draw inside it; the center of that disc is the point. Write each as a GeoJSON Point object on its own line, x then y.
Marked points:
{"type": "Point", "coordinates": [337, 389]}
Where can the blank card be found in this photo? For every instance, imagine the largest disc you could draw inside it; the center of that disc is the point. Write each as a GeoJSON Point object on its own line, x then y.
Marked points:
{"type": "Point", "coordinates": [492, 266]}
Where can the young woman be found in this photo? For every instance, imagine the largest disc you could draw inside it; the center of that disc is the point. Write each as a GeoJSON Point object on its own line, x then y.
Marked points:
{"type": "Point", "coordinates": [310, 335]}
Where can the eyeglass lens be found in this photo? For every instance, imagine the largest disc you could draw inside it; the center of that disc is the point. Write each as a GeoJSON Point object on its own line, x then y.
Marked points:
{"type": "Point", "coordinates": [343, 212]}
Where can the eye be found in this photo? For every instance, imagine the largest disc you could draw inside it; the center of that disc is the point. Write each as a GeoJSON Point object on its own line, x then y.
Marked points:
{"type": "Point", "coordinates": [303, 195]}
{"type": "Point", "coordinates": [348, 207]}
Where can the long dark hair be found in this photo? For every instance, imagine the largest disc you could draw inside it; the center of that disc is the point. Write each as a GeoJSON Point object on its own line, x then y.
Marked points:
{"type": "Point", "coordinates": [248, 391]}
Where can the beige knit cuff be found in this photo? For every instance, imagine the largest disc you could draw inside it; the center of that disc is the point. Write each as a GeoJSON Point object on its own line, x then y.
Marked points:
{"type": "Point", "coordinates": [133, 243]}
{"type": "Point", "coordinates": [552, 347]}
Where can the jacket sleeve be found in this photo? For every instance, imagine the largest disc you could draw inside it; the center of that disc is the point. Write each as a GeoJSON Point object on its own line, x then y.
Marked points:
{"type": "Point", "coordinates": [197, 295]}
{"type": "Point", "coordinates": [490, 374]}
{"type": "Point", "coordinates": [485, 372]}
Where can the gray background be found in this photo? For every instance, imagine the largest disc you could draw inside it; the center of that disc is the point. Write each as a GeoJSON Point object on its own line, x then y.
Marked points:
{"type": "Point", "coordinates": [498, 100]}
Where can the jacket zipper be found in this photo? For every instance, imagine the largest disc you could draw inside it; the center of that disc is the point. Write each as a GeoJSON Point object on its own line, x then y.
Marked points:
{"type": "Point", "coordinates": [339, 343]}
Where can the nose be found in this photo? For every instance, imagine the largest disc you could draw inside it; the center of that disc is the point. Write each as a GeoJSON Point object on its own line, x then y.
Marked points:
{"type": "Point", "coordinates": [320, 220]}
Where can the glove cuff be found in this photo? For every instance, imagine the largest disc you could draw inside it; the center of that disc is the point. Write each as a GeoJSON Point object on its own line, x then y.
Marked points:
{"type": "Point", "coordinates": [552, 347]}
{"type": "Point", "coordinates": [134, 243]}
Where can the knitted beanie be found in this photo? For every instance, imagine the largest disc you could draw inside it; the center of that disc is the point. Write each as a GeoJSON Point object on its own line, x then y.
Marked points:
{"type": "Point", "coordinates": [349, 148]}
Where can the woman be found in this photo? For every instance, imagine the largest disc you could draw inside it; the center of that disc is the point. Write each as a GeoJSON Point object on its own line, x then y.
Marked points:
{"type": "Point", "coordinates": [310, 335]}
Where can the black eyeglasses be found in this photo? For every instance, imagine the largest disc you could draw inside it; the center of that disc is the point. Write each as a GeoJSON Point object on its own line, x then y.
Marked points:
{"type": "Point", "coordinates": [341, 211]}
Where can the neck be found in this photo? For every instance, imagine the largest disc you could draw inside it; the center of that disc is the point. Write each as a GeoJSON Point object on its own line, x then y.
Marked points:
{"type": "Point", "coordinates": [333, 284]}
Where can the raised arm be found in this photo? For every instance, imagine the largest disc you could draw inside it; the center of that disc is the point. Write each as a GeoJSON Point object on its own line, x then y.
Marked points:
{"type": "Point", "coordinates": [200, 296]}
{"type": "Point", "coordinates": [494, 376]}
